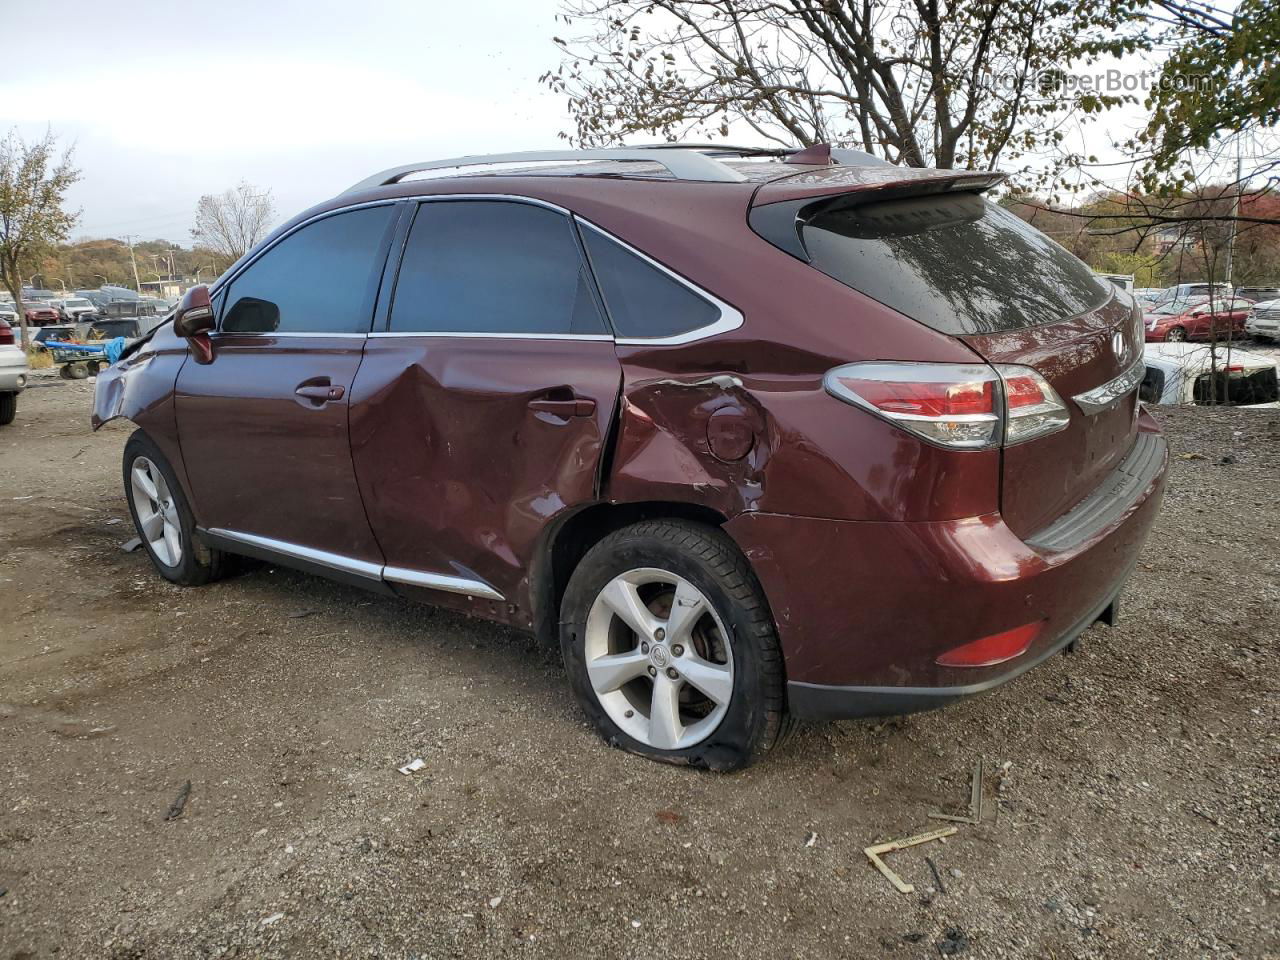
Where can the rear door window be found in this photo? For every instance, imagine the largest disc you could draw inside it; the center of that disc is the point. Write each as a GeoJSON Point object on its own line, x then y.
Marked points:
{"type": "Point", "coordinates": [320, 279]}
{"type": "Point", "coordinates": [954, 262]}
{"type": "Point", "coordinates": [493, 267]}
{"type": "Point", "coordinates": [644, 301]}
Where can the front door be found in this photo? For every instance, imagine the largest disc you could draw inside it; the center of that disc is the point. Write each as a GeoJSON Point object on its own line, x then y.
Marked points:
{"type": "Point", "coordinates": [263, 426]}
{"type": "Point", "coordinates": [481, 410]}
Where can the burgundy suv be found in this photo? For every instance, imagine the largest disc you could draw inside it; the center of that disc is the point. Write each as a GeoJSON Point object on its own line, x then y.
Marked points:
{"type": "Point", "coordinates": [758, 437]}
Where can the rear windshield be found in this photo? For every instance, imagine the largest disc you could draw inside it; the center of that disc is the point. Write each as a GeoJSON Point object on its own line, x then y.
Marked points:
{"type": "Point", "coordinates": [955, 262]}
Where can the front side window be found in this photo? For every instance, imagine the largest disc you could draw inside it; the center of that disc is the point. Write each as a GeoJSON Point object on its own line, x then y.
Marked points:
{"type": "Point", "coordinates": [493, 267]}
{"type": "Point", "coordinates": [319, 279]}
{"type": "Point", "coordinates": [644, 301]}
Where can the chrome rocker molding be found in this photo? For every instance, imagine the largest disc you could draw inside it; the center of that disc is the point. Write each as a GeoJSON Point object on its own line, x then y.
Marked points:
{"type": "Point", "coordinates": [361, 570]}
{"type": "Point", "coordinates": [1112, 392]}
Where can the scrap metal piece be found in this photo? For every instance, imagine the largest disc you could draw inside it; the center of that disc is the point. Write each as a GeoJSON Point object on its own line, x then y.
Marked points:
{"type": "Point", "coordinates": [975, 801]}
{"type": "Point", "coordinates": [874, 853]}
{"type": "Point", "coordinates": [413, 766]}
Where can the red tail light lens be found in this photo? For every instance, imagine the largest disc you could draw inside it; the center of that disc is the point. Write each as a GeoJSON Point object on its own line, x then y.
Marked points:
{"type": "Point", "coordinates": [953, 404]}
{"type": "Point", "coordinates": [997, 648]}
{"type": "Point", "coordinates": [967, 406]}
{"type": "Point", "coordinates": [6, 334]}
{"type": "Point", "coordinates": [1032, 407]}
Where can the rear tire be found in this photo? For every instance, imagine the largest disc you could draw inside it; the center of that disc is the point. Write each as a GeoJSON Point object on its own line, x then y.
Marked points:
{"type": "Point", "coordinates": [77, 371]}
{"type": "Point", "coordinates": [1176, 335]}
{"type": "Point", "coordinates": [712, 693]}
{"type": "Point", "coordinates": [163, 518]}
{"type": "Point", "coordinates": [8, 408]}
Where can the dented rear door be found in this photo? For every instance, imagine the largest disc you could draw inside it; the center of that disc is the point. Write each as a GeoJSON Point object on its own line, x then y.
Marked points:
{"type": "Point", "coordinates": [482, 407]}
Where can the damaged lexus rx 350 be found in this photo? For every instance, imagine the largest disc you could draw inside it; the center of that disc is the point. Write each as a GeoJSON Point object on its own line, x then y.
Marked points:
{"type": "Point", "coordinates": [757, 436]}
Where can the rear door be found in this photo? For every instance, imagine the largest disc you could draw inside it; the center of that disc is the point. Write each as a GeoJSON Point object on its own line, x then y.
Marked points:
{"type": "Point", "coordinates": [263, 426]}
{"type": "Point", "coordinates": [481, 410]}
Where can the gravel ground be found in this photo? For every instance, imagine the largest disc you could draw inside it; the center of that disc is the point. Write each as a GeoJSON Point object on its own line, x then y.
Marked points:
{"type": "Point", "coordinates": [1133, 807]}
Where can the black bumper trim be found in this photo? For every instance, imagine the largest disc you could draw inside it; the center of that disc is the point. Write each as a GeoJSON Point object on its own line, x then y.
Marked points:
{"type": "Point", "coordinates": [1117, 493]}
{"type": "Point", "coordinates": [815, 701]}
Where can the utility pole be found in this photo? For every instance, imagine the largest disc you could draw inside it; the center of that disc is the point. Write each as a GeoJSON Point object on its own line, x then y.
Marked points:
{"type": "Point", "coordinates": [1235, 214]}
{"type": "Point", "coordinates": [137, 284]}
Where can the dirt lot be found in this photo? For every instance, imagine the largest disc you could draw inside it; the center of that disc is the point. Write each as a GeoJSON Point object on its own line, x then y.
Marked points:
{"type": "Point", "coordinates": [1139, 814]}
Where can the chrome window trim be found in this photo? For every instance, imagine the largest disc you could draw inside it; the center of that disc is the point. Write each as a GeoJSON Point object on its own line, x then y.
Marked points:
{"type": "Point", "coordinates": [288, 335]}
{"type": "Point", "coordinates": [730, 317]}
{"type": "Point", "coordinates": [459, 335]}
{"type": "Point", "coordinates": [362, 568]}
{"type": "Point", "coordinates": [1107, 395]}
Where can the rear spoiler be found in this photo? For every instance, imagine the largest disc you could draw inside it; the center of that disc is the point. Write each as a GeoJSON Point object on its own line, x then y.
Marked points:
{"type": "Point", "coordinates": [780, 208]}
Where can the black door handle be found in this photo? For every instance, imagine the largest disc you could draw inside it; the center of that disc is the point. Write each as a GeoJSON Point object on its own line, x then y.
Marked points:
{"type": "Point", "coordinates": [321, 392]}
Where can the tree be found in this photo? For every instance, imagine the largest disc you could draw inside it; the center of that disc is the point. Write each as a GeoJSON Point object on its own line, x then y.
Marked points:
{"type": "Point", "coordinates": [919, 82]}
{"type": "Point", "coordinates": [1221, 76]}
{"type": "Point", "coordinates": [33, 187]}
{"type": "Point", "coordinates": [231, 223]}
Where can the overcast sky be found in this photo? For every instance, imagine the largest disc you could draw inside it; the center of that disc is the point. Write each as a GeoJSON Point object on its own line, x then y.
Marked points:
{"type": "Point", "coordinates": [166, 101]}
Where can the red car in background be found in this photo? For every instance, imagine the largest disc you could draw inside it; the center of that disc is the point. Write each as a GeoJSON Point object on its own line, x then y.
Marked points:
{"type": "Point", "coordinates": [38, 314]}
{"type": "Point", "coordinates": [1200, 319]}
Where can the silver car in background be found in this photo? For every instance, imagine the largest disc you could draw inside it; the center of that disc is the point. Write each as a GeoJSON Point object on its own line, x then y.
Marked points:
{"type": "Point", "coordinates": [13, 373]}
{"type": "Point", "coordinates": [1263, 322]}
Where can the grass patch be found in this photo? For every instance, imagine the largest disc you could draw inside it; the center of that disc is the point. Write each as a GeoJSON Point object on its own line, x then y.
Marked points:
{"type": "Point", "coordinates": [39, 359]}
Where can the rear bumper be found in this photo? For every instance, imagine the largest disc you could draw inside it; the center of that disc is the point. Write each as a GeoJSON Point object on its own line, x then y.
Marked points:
{"type": "Point", "coordinates": [863, 609]}
{"type": "Point", "coordinates": [13, 369]}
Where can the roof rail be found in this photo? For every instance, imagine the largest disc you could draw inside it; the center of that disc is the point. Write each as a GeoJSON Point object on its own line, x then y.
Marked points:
{"type": "Point", "coordinates": [683, 163]}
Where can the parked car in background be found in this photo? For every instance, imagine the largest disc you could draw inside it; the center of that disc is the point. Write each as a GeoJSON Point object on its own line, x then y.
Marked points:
{"type": "Point", "coordinates": [8, 312]}
{"type": "Point", "coordinates": [1186, 292]}
{"type": "Point", "coordinates": [129, 327]}
{"type": "Point", "coordinates": [648, 411]}
{"type": "Point", "coordinates": [40, 314]}
{"type": "Point", "coordinates": [70, 309]}
{"type": "Point", "coordinates": [1197, 320]}
{"type": "Point", "coordinates": [118, 309]}
{"type": "Point", "coordinates": [1263, 322]}
{"type": "Point", "coordinates": [1183, 373]}
{"type": "Point", "coordinates": [161, 306]}
{"type": "Point", "coordinates": [1258, 293]}
{"type": "Point", "coordinates": [13, 373]}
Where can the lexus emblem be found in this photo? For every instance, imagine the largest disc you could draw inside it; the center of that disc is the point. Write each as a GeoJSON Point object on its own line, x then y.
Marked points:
{"type": "Point", "coordinates": [1119, 347]}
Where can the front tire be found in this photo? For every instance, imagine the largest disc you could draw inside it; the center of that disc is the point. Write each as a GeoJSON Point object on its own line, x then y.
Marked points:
{"type": "Point", "coordinates": [1176, 335]}
{"type": "Point", "coordinates": [163, 517]}
{"type": "Point", "coordinates": [670, 647]}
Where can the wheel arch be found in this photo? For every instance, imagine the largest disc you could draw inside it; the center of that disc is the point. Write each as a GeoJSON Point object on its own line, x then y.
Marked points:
{"type": "Point", "coordinates": [567, 541]}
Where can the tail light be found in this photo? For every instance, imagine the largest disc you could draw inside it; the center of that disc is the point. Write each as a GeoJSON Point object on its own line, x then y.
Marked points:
{"type": "Point", "coordinates": [964, 406]}
{"type": "Point", "coordinates": [6, 334]}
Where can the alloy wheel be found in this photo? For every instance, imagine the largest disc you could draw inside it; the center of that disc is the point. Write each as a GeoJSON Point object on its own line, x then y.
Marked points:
{"type": "Point", "coordinates": [1176, 335]}
{"type": "Point", "coordinates": [158, 522]}
{"type": "Point", "coordinates": [658, 658]}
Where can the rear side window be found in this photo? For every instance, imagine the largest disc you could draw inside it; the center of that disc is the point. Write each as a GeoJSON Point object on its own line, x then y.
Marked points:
{"type": "Point", "coordinates": [955, 262]}
{"type": "Point", "coordinates": [642, 300]}
{"type": "Point", "coordinates": [319, 279]}
{"type": "Point", "coordinates": [493, 267]}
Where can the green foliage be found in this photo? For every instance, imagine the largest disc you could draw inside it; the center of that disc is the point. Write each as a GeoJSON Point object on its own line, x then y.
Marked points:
{"type": "Point", "coordinates": [1223, 77]}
